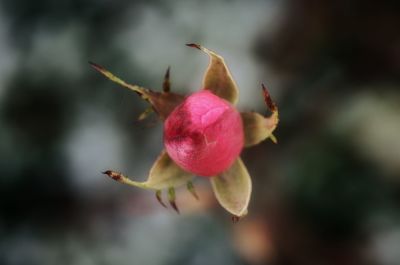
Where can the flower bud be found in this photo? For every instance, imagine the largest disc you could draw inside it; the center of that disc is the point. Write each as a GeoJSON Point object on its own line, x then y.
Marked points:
{"type": "Point", "coordinates": [204, 134]}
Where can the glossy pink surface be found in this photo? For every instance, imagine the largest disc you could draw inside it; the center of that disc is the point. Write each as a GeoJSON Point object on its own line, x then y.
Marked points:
{"type": "Point", "coordinates": [204, 135]}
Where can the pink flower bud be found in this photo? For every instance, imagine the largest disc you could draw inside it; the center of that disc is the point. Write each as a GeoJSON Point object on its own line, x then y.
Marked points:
{"type": "Point", "coordinates": [204, 135]}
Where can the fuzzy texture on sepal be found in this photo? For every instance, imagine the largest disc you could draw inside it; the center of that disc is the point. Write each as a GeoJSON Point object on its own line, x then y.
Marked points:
{"type": "Point", "coordinates": [204, 135]}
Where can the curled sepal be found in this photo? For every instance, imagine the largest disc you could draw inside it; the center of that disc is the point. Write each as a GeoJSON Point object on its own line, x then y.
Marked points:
{"type": "Point", "coordinates": [164, 174]}
{"type": "Point", "coordinates": [233, 189]}
{"type": "Point", "coordinates": [218, 78]}
{"type": "Point", "coordinates": [256, 127]}
{"type": "Point", "coordinates": [163, 103]}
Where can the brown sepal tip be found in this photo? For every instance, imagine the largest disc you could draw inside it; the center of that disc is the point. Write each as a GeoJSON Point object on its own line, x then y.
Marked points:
{"type": "Point", "coordinates": [192, 190]}
{"type": "Point", "coordinates": [167, 72]}
{"type": "Point", "coordinates": [194, 45]}
{"type": "Point", "coordinates": [195, 195]}
{"type": "Point", "coordinates": [174, 206]}
{"type": "Point", "coordinates": [112, 174]}
{"type": "Point", "coordinates": [235, 219]}
{"type": "Point", "coordinates": [268, 100]}
{"type": "Point", "coordinates": [167, 83]}
{"type": "Point", "coordinates": [159, 199]}
{"type": "Point", "coordinates": [96, 66]}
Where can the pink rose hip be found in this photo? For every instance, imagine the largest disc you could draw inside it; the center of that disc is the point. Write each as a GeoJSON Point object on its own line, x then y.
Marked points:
{"type": "Point", "coordinates": [204, 135]}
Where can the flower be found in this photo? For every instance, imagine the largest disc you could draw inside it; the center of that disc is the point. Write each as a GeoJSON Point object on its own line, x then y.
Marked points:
{"type": "Point", "coordinates": [204, 135]}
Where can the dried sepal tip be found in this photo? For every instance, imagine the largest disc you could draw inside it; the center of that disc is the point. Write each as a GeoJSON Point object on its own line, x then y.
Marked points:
{"type": "Point", "coordinates": [113, 174]}
{"type": "Point", "coordinates": [268, 100]}
{"type": "Point", "coordinates": [167, 82]}
{"type": "Point", "coordinates": [194, 45]}
{"type": "Point", "coordinates": [159, 198]}
{"type": "Point", "coordinates": [192, 190]}
{"type": "Point", "coordinates": [172, 199]}
{"type": "Point", "coordinates": [257, 127]}
{"type": "Point", "coordinates": [235, 219]}
{"type": "Point", "coordinates": [117, 176]}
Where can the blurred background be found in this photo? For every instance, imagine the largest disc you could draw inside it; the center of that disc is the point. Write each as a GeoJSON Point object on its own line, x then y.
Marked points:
{"type": "Point", "coordinates": [328, 193]}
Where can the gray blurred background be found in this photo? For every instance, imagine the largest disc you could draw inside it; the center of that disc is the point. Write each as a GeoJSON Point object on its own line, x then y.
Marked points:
{"type": "Point", "coordinates": [328, 193]}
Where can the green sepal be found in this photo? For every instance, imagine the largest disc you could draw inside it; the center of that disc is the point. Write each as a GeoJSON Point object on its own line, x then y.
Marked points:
{"type": "Point", "coordinates": [218, 78]}
{"type": "Point", "coordinates": [233, 189]}
{"type": "Point", "coordinates": [256, 127]}
{"type": "Point", "coordinates": [163, 175]}
{"type": "Point", "coordinates": [163, 103]}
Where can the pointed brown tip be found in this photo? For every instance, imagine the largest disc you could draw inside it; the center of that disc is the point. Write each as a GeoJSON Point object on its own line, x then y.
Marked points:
{"type": "Point", "coordinates": [96, 66]}
{"type": "Point", "coordinates": [192, 190]}
{"type": "Point", "coordinates": [194, 45]}
{"type": "Point", "coordinates": [235, 219]}
{"type": "Point", "coordinates": [167, 72]}
{"type": "Point", "coordinates": [107, 172]}
{"type": "Point", "coordinates": [159, 199]}
{"type": "Point", "coordinates": [174, 206]}
{"type": "Point", "coordinates": [167, 83]}
{"type": "Point", "coordinates": [196, 196]}
{"type": "Point", "coordinates": [114, 175]}
{"type": "Point", "coordinates": [162, 204]}
{"type": "Point", "coordinates": [268, 100]}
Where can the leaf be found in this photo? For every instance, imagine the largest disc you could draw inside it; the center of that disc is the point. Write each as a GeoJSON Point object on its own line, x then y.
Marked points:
{"type": "Point", "coordinates": [162, 103]}
{"type": "Point", "coordinates": [256, 127]}
{"type": "Point", "coordinates": [233, 189]}
{"type": "Point", "coordinates": [164, 174]}
{"type": "Point", "coordinates": [218, 78]}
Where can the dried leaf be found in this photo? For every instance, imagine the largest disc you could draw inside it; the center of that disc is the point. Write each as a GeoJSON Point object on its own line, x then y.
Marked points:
{"type": "Point", "coordinates": [164, 174]}
{"type": "Point", "coordinates": [218, 78]}
{"type": "Point", "coordinates": [233, 189]}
